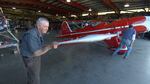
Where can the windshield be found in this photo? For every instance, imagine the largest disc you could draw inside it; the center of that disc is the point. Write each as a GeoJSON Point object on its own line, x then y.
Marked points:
{"type": "Point", "coordinates": [83, 24]}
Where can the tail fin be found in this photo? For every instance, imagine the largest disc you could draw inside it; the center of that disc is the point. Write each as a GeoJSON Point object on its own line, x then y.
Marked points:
{"type": "Point", "coordinates": [65, 28]}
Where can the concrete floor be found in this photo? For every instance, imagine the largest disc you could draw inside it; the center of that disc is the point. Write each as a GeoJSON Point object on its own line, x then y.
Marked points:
{"type": "Point", "coordinates": [89, 63]}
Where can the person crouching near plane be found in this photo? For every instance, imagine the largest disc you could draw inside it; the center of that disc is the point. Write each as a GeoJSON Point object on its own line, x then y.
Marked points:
{"type": "Point", "coordinates": [32, 48]}
{"type": "Point", "coordinates": [128, 38]}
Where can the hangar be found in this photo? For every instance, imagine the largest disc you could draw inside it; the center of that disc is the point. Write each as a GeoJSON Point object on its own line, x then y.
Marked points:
{"type": "Point", "coordinates": [83, 61]}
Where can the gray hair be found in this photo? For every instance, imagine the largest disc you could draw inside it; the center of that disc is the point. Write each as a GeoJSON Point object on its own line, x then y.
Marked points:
{"type": "Point", "coordinates": [41, 19]}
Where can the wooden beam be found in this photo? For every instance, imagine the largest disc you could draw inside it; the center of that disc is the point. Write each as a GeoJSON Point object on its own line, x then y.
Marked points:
{"type": "Point", "coordinates": [75, 4]}
{"type": "Point", "coordinates": [110, 4]}
{"type": "Point", "coordinates": [35, 5]}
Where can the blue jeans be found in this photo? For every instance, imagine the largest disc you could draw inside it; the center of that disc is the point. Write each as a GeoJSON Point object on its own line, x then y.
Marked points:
{"type": "Point", "coordinates": [127, 43]}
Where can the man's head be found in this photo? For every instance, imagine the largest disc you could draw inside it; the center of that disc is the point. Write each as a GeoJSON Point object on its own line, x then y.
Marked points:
{"type": "Point", "coordinates": [130, 26]}
{"type": "Point", "coordinates": [42, 25]}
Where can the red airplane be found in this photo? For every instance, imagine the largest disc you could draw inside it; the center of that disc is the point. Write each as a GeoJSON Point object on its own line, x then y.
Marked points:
{"type": "Point", "coordinates": [97, 31]}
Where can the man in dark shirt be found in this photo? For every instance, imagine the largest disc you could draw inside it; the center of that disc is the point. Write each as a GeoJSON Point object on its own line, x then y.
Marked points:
{"type": "Point", "coordinates": [32, 48]}
{"type": "Point", "coordinates": [128, 38]}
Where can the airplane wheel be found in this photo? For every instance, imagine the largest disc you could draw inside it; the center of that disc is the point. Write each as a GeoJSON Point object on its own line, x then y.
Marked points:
{"type": "Point", "coordinates": [121, 52]}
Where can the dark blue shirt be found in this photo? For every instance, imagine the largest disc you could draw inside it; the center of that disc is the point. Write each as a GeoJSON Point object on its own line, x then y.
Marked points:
{"type": "Point", "coordinates": [31, 41]}
{"type": "Point", "coordinates": [128, 33]}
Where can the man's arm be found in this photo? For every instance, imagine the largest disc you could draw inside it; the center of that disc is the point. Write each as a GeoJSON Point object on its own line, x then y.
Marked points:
{"type": "Point", "coordinates": [33, 45]}
{"type": "Point", "coordinates": [133, 39]}
{"type": "Point", "coordinates": [45, 49]}
{"type": "Point", "coordinates": [42, 51]}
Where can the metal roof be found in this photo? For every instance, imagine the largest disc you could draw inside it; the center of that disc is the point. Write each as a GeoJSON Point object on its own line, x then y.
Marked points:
{"type": "Point", "coordinates": [75, 6]}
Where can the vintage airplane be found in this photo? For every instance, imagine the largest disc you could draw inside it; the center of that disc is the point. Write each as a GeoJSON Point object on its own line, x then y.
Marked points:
{"type": "Point", "coordinates": [109, 32]}
{"type": "Point", "coordinates": [7, 38]}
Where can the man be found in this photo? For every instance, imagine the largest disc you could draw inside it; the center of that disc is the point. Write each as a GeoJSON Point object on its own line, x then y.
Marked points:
{"type": "Point", "coordinates": [32, 48]}
{"type": "Point", "coordinates": [128, 38]}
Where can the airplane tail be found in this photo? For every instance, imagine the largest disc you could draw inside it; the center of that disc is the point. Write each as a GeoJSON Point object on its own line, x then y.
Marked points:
{"type": "Point", "coordinates": [65, 28]}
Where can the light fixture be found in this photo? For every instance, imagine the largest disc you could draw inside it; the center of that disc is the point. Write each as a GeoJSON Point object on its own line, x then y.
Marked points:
{"type": "Point", "coordinates": [14, 8]}
{"type": "Point", "coordinates": [104, 13]}
{"type": "Point", "coordinates": [122, 12]}
{"type": "Point", "coordinates": [39, 11]}
{"type": "Point", "coordinates": [126, 5]}
{"type": "Point", "coordinates": [146, 9]}
{"type": "Point", "coordinates": [132, 11]}
{"type": "Point", "coordinates": [90, 9]}
{"type": "Point", "coordinates": [73, 15]}
{"type": "Point", "coordinates": [68, 1]}
{"type": "Point", "coordinates": [137, 10]}
{"type": "Point", "coordinates": [56, 14]}
{"type": "Point", "coordinates": [86, 14]}
{"type": "Point", "coordinates": [63, 17]}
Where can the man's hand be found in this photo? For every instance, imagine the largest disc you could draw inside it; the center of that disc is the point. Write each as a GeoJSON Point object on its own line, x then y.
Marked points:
{"type": "Point", "coordinates": [55, 45]}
